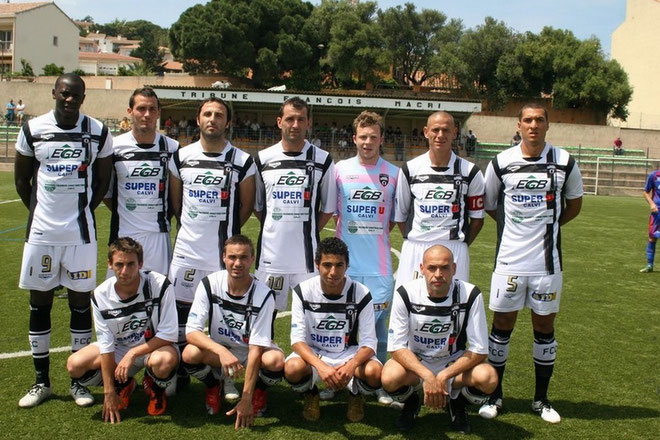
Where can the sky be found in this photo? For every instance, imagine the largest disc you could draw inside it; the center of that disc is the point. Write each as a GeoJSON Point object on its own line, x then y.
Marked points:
{"type": "Point", "coordinates": [585, 18]}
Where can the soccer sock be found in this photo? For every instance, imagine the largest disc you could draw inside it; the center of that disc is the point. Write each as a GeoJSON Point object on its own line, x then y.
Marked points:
{"type": "Point", "coordinates": [545, 351]}
{"type": "Point", "coordinates": [498, 352]}
{"type": "Point", "coordinates": [90, 378]}
{"type": "Point", "coordinates": [182, 310]}
{"type": "Point", "coordinates": [80, 326]}
{"type": "Point", "coordinates": [202, 372]}
{"type": "Point", "coordinates": [269, 378]}
{"type": "Point", "coordinates": [161, 382]}
{"type": "Point", "coordinates": [650, 252]}
{"type": "Point", "coordinates": [39, 337]}
{"type": "Point", "coordinates": [402, 394]}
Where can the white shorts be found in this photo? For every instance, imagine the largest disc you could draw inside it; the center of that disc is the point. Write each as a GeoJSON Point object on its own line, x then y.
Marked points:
{"type": "Point", "coordinates": [412, 253]}
{"type": "Point", "coordinates": [46, 267]}
{"type": "Point", "coordinates": [436, 366]}
{"type": "Point", "coordinates": [281, 284]}
{"type": "Point", "coordinates": [139, 363]}
{"type": "Point", "coordinates": [541, 293]}
{"type": "Point", "coordinates": [185, 280]}
{"type": "Point", "coordinates": [242, 356]}
{"type": "Point", "coordinates": [335, 360]}
{"type": "Point", "coordinates": [157, 252]}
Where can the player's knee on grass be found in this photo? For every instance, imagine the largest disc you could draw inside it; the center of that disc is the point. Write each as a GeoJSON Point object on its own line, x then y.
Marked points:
{"type": "Point", "coordinates": [272, 360]}
{"type": "Point", "coordinates": [504, 320]}
{"type": "Point", "coordinates": [41, 298]}
{"type": "Point", "coordinates": [392, 376]}
{"type": "Point", "coordinates": [371, 373]}
{"type": "Point", "coordinates": [191, 354]}
{"type": "Point", "coordinates": [296, 369]}
{"type": "Point", "coordinates": [484, 378]}
{"type": "Point", "coordinates": [79, 300]}
{"type": "Point", "coordinates": [163, 361]}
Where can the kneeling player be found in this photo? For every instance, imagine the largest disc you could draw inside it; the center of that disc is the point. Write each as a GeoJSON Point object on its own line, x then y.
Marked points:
{"type": "Point", "coordinates": [240, 312]}
{"type": "Point", "coordinates": [136, 327]}
{"type": "Point", "coordinates": [333, 334]}
{"type": "Point", "coordinates": [431, 321]}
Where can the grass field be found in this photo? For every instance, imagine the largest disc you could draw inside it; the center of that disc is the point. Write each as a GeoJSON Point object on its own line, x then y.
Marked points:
{"type": "Point", "coordinates": [606, 382]}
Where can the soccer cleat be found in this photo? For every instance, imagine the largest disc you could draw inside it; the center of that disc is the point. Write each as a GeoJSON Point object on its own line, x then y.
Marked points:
{"type": "Point", "coordinates": [124, 392]}
{"type": "Point", "coordinates": [355, 411]}
{"type": "Point", "coordinates": [458, 413]}
{"type": "Point", "coordinates": [35, 395]}
{"type": "Point", "coordinates": [647, 269]}
{"type": "Point", "coordinates": [259, 402]}
{"type": "Point", "coordinates": [406, 419]}
{"type": "Point", "coordinates": [545, 410]}
{"type": "Point", "coordinates": [157, 397]}
{"type": "Point", "coordinates": [383, 397]}
{"type": "Point", "coordinates": [81, 394]}
{"type": "Point", "coordinates": [491, 408]}
{"type": "Point", "coordinates": [327, 394]}
{"type": "Point", "coordinates": [230, 391]}
{"type": "Point", "coordinates": [311, 410]}
{"type": "Point", "coordinates": [213, 400]}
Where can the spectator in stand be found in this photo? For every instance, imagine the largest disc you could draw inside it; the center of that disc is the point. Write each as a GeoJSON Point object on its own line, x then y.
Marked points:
{"type": "Point", "coordinates": [124, 125]}
{"type": "Point", "coordinates": [169, 123]}
{"type": "Point", "coordinates": [516, 139]}
{"type": "Point", "coordinates": [183, 126]}
{"type": "Point", "coordinates": [20, 111]}
{"type": "Point", "coordinates": [471, 143]}
{"type": "Point", "coordinates": [11, 111]}
{"type": "Point", "coordinates": [254, 130]}
{"type": "Point", "coordinates": [618, 147]}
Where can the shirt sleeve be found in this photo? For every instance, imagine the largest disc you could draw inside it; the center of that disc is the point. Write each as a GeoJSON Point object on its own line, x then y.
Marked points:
{"type": "Point", "coordinates": [199, 311]}
{"type": "Point", "coordinates": [106, 150]}
{"type": "Point", "coordinates": [259, 193]}
{"type": "Point", "coordinates": [261, 332]}
{"type": "Point", "coordinates": [168, 324]}
{"type": "Point", "coordinates": [477, 329]}
{"type": "Point", "coordinates": [476, 196]}
{"type": "Point", "coordinates": [367, 325]}
{"type": "Point", "coordinates": [251, 169]}
{"type": "Point", "coordinates": [328, 188]}
{"type": "Point", "coordinates": [649, 182]}
{"type": "Point", "coordinates": [573, 188]}
{"type": "Point", "coordinates": [492, 188]}
{"type": "Point", "coordinates": [298, 327]}
{"type": "Point", "coordinates": [173, 168]}
{"type": "Point", "coordinates": [22, 145]}
{"type": "Point", "coordinates": [402, 199]}
{"type": "Point", "coordinates": [397, 335]}
{"type": "Point", "coordinates": [105, 339]}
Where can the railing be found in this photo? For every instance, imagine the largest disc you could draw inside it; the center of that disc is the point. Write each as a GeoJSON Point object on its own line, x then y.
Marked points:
{"type": "Point", "coordinates": [620, 161]}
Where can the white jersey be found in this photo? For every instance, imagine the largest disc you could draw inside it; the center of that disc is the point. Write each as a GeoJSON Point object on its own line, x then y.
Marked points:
{"type": "Point", "coordinates": [332, 324]}
{"type": "Point", "coordinates": [436, 329]}
{"type": "Point", "coordinates": [60, 214]}
{"type": "Point", "coordinates": [528, 194]}
{"type": "Point", "coordinates": [139, 187]}
{"type": "Point", "coordinates": [291, 189]}
{"type": "Point", "coordinates": [234, 322]}
{"type": "Point", "coordinates": [128, 323]}
{"type": "Point", "coordinates": [211, 199]}
{"type": "Point", "coordinates": [441, 198]}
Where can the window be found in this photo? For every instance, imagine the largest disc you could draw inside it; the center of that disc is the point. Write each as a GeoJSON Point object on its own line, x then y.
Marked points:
{"type": "Point", "coordinates": [54, 40]}
{"type": "Point", "coordinates": [5, 40]}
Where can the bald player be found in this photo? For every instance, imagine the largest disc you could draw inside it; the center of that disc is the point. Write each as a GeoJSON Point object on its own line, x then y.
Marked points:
{"type": "Point", "coordinates": [443, 194]}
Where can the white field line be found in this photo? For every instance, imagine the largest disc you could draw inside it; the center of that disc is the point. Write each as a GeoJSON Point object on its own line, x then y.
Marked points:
{"type": "Point", "coordinates": [2, 202]}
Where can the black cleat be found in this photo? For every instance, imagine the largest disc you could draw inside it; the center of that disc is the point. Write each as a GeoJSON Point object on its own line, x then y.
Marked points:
{"type": "Point", "coordinates": [411, 407]}
{"type": "Point", "coordinates": [458, 412]}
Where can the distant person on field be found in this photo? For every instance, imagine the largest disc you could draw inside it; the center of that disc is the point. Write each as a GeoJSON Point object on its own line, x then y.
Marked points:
{"type": "Point", "coordinates": [618, 147]}
{"type": "Point", "coordinates": [652, 196]}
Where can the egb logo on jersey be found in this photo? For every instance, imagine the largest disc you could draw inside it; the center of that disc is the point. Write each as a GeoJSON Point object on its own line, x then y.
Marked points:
{"type": "Point", "coordinates": [439, 193]}
{"type": "Point", "coordinates": [231, 322]}
{"type": "Point", "coordinates": [531, 182]}
{"type": "Point", "coordinates": [67, 152]}
{"type": "Point", "coordinates": [365, 194]}
{"type": "Point", "coordinates": [292, 179]}
{"type": "Point", "coordinates": [145, 170]}
{"type": "Point", "coordinates": [434, 327]}
{"type": "Point", "coordinates": [134, 323]}
{"type": "Point", "coordinates": [207, 178]}
{"type": "Point", "coordinates": [331, 323]}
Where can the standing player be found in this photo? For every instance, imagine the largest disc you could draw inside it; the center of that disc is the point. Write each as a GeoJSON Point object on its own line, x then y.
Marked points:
{"type": "Point", "coordinates": [296, 196]}
{"type": "Point", "coordinates": [135, 320]}
{"type": "Point", "coordinates": [139, 193]}
{"type": "Point", "coordinates": [332, 334]}
{"type": "Point", "coordinates": [62, 172]}
{"type": "Point", "coordinates": [432, 320]}
{"type": "Point", "coordinates": [531, 190]}
{"type": "Point", "coordinates": [240, 312]}
{"type": "Point", "coordinates": [212, 187]}
{"type": "Point", "coordinates": [652, 196]}
{"type": "Point", "coordinates": [445, 194]}
{"type": "Point", "coordinates": [366, 186]}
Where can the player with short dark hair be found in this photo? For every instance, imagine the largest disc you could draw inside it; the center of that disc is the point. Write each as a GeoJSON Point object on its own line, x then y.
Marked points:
{"type": "Point", "coordinates": [136, 327]}
{"type": "Point", "coordinates": [444, 195]}
{"type": "Point", "coordinates": [332, 334]}
{"type": "Point", "coordinates": [240, 312]}
{"type": "Point", "coordinates": [295, 198]}
{"type": "Point", "coordinates": [532, 189]}
{"type": "Point", "coordinates": [139, 193]}
{"type": "Point", "coordinates": [61, 171]}
{"type": "Point", "coordinates": [366, 185]}
{"type": "Point", "coordinates": [438, 340]}
{"type": "Point", "coordinates": [652, 196]}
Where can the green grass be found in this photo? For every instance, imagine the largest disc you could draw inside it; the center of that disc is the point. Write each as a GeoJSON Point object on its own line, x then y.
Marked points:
{"type": "Point", "coordinates": [605, 385]}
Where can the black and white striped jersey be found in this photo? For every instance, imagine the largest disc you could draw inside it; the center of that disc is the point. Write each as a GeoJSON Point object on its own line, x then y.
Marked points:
{"type": "Point", "coordinates": [62, 183]}
{"type": "Point", "coordinates": [528, 195]}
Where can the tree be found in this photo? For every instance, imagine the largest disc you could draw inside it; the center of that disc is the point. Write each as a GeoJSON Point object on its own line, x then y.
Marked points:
{"type": "Point", "coordinates": [53, 69]}
{"type": "Point", "coordinates": [414, 40]}
{"type": "Point", "coordinates": [150, 53]}
{"type": "Point", "coordinates": [79, 72]}
{"type": "Point", "coordinates": [26, 68]}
